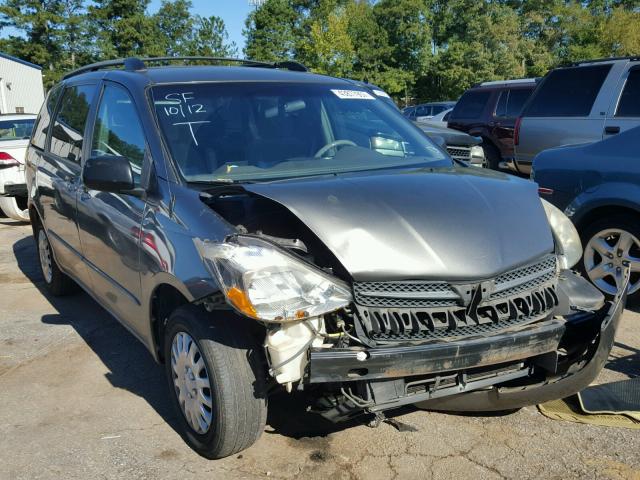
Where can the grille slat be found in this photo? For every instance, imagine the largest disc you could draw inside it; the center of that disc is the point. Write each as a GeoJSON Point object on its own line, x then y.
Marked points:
{"type": "Point", "coordinates": [422, 310]}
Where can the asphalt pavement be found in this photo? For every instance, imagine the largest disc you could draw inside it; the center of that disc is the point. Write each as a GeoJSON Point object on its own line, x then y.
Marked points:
{"type": "Point", "coordinates": [80, 398]}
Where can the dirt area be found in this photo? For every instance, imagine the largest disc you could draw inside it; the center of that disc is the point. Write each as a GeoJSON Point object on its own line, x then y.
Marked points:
{"type": "Point", "coordinates": [81, 398]}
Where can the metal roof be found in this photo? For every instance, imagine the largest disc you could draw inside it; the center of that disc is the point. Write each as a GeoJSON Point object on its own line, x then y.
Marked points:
{"type": "Point", "coordinates": [19, 60]}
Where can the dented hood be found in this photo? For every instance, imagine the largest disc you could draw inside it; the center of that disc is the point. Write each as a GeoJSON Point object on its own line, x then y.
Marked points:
{"type": "Point", "coordinates": [452, 223]}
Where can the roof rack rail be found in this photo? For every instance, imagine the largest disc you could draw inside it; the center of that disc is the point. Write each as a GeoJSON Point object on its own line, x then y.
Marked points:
{"type": "Point", "coordinates": [134, 64]}
{"type": "Point", "coordinates": [513, 81]}
{"type": "Point", "coordinates": [601, 60]}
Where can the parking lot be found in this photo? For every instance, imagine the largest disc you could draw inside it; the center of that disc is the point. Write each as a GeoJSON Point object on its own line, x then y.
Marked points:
{"type": "Point", "coordinates": [81, 398]}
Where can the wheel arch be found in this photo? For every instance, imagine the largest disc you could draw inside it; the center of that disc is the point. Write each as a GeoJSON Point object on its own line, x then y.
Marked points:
{"type": "Point", "coordinates": [164, 299]}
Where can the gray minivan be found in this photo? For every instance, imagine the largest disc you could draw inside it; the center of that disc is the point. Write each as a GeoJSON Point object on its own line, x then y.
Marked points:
{"type": "Point", "coordinates": [262, 229]}
{"type": "Point", "coordinates": [582, 103]}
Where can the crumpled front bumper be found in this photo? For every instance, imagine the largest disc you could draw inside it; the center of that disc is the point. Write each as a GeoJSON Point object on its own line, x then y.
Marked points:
{"type": "Point", "coordinates": [555, 358]}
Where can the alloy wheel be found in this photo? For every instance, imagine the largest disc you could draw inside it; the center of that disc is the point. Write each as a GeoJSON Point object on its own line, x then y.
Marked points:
{"type": "Point", "coordinates": [191, 382]}
{"type": "Point", "coordinates": [606, 256]}
{"type": "Point", "coordinates": [45, 256]}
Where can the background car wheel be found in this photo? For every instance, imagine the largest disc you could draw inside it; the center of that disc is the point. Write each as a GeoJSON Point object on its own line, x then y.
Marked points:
{"type": "Point", "coordinates": [608, 243]}
{"type": "Point", "coordinates": [492, 156]}
{"type": "Point", "coordinates": [217, 380]}
{"type": "Point", "coordinates": [57, 282]}
{"type": "Point", "coordinates": [15, 208]}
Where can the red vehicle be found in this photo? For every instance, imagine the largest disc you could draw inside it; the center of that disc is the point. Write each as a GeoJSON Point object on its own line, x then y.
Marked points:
{"type": "Point", "coordinates": [490, 110]}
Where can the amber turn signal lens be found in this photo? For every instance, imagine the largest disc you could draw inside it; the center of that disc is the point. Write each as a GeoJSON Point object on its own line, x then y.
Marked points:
{"type": "Point", "coordinates": [241, 302]}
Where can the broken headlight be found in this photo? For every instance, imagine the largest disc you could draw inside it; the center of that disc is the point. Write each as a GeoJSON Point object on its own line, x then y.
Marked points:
{"type": "Point", "coordinates": [264, 282]}
{"type": "Point", "coordinates": [565, 234]}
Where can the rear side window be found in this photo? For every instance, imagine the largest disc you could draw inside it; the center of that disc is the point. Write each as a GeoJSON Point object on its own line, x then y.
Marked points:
{"type": "Point", "coordinates": [17, 129]}
{"type": "Point", "coordinates": [517, 99]}
{"type": "Point", "coordinates": [629, 104]}
{"type": "Point", "coordinates": [568, 92]}
{"type": "Point", "coordinates": [44, 119]}
{"type": "Point", "coordinates": [68, 128]}
{"type": "Point", "coordinates": [471, 104]}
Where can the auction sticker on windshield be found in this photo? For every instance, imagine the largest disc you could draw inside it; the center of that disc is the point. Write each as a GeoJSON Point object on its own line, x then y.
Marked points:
{"type": "Point", "coordinates": [352, 95]}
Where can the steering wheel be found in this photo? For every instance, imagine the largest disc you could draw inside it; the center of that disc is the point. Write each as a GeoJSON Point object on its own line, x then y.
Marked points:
{"type": "Point", "coordinates": [335, 143]}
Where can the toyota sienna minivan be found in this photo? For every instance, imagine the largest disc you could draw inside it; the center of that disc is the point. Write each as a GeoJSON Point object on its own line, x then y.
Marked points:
{"type": "Point", "coordinates": [260, 228]}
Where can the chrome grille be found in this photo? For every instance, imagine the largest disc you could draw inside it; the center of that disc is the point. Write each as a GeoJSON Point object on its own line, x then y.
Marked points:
{"type": "Point", "coordinates": [460, 153]}
{"type": "Point", "coordinates": [417, 310]}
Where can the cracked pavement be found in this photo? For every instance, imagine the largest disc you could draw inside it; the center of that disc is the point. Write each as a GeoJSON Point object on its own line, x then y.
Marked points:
{"type": "Point", "coordinates": [81, 398]}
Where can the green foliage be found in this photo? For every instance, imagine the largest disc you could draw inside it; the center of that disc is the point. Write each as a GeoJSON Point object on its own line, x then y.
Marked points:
{"type": "Point", "coordinates": [417, 50]}
{"type": "Point", "coordinates": [435, 49]}
{"type": "Point", "coordinates": [63, 34]}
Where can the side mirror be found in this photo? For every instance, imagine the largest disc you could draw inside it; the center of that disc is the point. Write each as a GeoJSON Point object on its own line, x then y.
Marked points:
{"type": "Point", "coordinates": [108, 173]}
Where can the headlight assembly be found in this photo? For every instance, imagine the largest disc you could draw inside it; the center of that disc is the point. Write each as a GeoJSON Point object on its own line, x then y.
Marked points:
{"type": "Point", "coordinates": [266, 283]}
{"type": "Point", "coordinates": [477, 152]}
{"type": "Point", "coordinates": [565, 234]}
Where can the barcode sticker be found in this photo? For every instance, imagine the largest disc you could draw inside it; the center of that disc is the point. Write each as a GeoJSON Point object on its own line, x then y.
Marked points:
{"type": "Point", "coordinates": [352, 95]}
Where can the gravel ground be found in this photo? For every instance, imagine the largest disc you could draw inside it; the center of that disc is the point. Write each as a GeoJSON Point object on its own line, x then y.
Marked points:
{"type": "Point", "coordinates": [81, 398]}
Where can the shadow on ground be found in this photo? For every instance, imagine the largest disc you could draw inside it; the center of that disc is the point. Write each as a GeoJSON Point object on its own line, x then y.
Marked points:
{"type": "Point", "coordinates": [626, 364]}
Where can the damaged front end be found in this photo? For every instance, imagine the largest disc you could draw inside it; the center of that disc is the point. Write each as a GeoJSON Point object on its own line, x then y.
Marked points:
{"type": "Point", "coordinates": [360, 345]}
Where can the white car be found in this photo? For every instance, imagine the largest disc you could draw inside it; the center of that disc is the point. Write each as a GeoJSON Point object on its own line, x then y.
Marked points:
{"type": "Point", "coordinates": [440, 119]}
{"type": "Point", "coordinates": [15, 131]}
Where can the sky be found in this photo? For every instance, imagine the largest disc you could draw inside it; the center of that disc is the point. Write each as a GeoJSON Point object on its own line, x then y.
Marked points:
{"type": "Point", "coordinates": [233, 12]}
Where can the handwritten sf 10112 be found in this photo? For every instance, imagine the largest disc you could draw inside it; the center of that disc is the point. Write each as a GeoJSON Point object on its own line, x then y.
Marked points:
{"type": "Point", "coordinates": [184, 104]}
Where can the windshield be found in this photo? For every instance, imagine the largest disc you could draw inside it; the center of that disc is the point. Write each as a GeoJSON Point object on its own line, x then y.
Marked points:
{"type": "Point", "coordinates": [265, 131]}
{"type": "Point", "coordinates": [19, 129]}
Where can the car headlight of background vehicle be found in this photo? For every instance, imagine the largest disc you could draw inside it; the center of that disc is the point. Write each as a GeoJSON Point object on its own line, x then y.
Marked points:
{"type": "Point", "coordinates": [265, 283]}
{"type": "Point", "coordinates": [477, 152]}
{"type": "Point", "coordinates": [565, 234]}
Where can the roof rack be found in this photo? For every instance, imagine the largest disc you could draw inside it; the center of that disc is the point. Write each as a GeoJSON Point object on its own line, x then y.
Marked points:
{"type": "Point", "coordinates": [134, 64]}
{"type": "Point", "coordinates": [514, 81]}
{"type": "Point", "coordinates": [601, 60]}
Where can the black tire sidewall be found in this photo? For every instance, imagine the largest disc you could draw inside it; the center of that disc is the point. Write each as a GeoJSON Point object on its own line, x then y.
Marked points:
{"type": "Point", "coordinates": [491, 156]}
{"type": "Point", "coordinates": [200, 441]}
{"type": "Point", "coordinates": [196, 322]}
{"type": "Point", "coordinates": [620, 222]}
{"type": "Point", "coordinates": [60, 283]}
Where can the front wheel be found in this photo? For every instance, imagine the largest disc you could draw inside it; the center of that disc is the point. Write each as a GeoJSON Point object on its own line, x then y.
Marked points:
{"type": "Point", "coordinates": [217, 381]}
{"type": "Point", "coordinates": [610, 244]}
{"type": "Point", "coordinates": [492, 157]}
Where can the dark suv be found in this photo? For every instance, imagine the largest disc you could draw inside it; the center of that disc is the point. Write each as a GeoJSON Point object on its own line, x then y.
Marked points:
{"type": "Point", "coordinates": [262, 228]}
{"type": "Point", "coordinates": [489, 110]}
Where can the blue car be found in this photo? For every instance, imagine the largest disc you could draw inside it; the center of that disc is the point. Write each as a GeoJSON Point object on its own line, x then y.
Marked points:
{"type": "Point", "coordinates": [598, 188]}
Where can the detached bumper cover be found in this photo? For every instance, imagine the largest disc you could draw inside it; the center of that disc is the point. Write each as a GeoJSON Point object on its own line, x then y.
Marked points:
{"type": "Point", "coordinates": [338, 365]}
{"type": "Point", "coordinates": [593, 332]}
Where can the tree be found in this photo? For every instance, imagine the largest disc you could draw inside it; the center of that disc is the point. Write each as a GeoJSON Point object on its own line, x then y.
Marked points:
{"type": "Point", "coordinates": [122, 29]}
{"type": "Point", "coordinates": [210, 38]}
{"type": "Point", "coordinates": [175, 26]}
{"type": "Point", "coordinates": [271, 31]}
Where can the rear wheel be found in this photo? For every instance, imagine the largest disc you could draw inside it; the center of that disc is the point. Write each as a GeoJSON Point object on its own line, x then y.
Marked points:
{"type": "Point", "coordinates": [492, 156]}
{"type": "Point", "coordinates": [609, 244]}
{"type": "Point", "coordinates": [15, 208]}
{"type": "Point", "coordinates": [217, 380]}
{"type": "Point", "coordinates": [57, 282]}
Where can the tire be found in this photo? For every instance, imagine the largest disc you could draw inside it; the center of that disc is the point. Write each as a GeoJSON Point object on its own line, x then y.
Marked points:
{"type": "Point", "coordinates": [610, 231]}
{"type": "Point", "coordinates": [492, 156]}
{"type": "Point", "coordinates": [12, 208]}
{"type": "Point", "coordinates": [234, 370]}
{"type": "Point", "coordinates": [57, 283]}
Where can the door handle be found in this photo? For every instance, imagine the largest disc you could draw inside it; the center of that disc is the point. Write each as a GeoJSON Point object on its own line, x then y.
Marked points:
{"type": "Point", "coordinates": [611, 130]}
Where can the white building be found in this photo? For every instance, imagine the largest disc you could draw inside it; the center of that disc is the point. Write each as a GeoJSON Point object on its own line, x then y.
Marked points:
{"type": "Point", "coordinates": [21, 89]}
